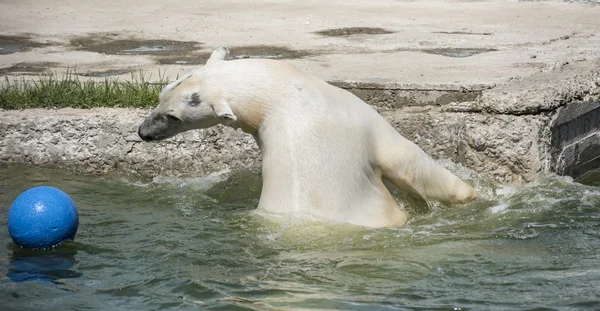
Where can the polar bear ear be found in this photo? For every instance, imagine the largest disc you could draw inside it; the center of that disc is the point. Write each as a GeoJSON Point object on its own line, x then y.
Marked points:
{"type": "Point", "coordinates": [224, 113]}
{"type": "Point", "coordinates": [218, 55]}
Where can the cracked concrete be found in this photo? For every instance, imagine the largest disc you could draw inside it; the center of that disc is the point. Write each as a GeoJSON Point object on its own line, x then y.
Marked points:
{"type": "Point", "coordinates": [508, 89]}
{"type": "Point", "coordinates": [521, 38]}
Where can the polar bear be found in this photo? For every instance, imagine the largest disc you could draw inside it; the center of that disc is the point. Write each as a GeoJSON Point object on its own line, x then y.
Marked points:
{"type": "Point", "coordinates": [325, 151]}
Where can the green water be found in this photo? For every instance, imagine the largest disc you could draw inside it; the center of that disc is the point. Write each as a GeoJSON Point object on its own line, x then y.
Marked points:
{"type": "Point", "coordinates": [192, 244]}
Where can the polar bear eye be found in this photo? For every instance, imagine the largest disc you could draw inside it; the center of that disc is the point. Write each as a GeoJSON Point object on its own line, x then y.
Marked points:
{"type": "Point", "coordinates": [194, 100]}
{"type": "Point", "coordinates": [173, 118]}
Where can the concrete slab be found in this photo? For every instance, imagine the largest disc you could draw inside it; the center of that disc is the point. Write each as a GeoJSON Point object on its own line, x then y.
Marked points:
{"type": "Point", "coordinates": [422, 43]}
{"type": "Point", "coordinates": [507, 89]}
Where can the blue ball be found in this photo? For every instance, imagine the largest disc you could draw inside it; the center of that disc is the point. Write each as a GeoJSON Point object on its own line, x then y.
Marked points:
{"type": "Point", "coordinates": [42, 217]}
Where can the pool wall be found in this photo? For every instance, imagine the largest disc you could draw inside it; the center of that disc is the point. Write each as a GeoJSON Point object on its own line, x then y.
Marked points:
{"type": "Point", "coordinates": [511, 132]}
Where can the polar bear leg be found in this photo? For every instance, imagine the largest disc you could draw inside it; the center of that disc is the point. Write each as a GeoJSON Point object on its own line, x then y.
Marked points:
{"type": "Point", "coordinates": [411, 169]}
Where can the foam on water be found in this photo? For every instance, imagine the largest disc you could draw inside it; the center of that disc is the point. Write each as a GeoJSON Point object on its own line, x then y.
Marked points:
{"type": "Point", "coordinates": [499, 209]}
{"type": "Point", "coordinates": [198, 183]}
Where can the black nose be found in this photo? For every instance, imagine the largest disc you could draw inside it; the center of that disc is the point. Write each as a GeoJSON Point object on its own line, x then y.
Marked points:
{"type": "Point", "coordinates": [142, 136]}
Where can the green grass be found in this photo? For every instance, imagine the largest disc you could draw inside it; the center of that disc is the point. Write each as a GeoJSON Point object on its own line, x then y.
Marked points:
{"type": "Point", "coordinates": [70, 90]}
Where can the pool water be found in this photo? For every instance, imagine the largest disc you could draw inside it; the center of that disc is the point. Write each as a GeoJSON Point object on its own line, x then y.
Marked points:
{"type": "Point", "coordinates": [193, 244]}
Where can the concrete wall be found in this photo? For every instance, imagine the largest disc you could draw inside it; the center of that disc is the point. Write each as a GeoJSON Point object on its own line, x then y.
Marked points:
{"type": "Point", "coordinates": [546, 122]}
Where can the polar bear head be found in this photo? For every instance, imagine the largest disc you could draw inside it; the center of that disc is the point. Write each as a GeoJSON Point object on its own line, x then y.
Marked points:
{"type": "Point", "coordinates": [185, 105]}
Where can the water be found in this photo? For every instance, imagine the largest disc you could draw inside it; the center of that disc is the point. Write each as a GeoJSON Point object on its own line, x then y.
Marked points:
{"type": "Point", "coordinates": [191, 244]}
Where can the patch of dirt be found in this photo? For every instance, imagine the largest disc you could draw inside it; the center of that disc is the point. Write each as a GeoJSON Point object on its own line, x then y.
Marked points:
{"type": "Point", "coordinates": [237, 52]}
{"type": "Point", "coordinates": [25, 67]}
{"type": "Point", "coordinates": [14, 44]}
{"type": "Point", "coordinates": [465, 33]}
{"type": "Point", "coordinates": [106, 73]}
{"type": "Point", "coordinates": [107, 45]}
{"type": "Point", "coordinates": [457, 52]}
{"type": "Point", "coordinates": [562, 38]}
{"type": "Point", "coordinates": [170, 52]}
{"type": "Point", "coordinates": [267, 51]}
{"type": "Point", "coordinates": [189, 59]}
{"type": "Point", "coordinates": [349, 31]}
{"type": "Point", "coordinates": [536, 65]}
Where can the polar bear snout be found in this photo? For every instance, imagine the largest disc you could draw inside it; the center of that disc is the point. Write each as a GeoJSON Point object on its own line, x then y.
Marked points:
{"type": "Point", "coordinates": [145, 132]}
{"type": "Point", "coordinates": [157, 126]}
{"type": "Point", "coordinates": [143, 136]}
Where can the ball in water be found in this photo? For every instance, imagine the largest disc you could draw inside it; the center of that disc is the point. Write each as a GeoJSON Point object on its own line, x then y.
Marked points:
{"type": "Point", "coordinates": [42, 217]}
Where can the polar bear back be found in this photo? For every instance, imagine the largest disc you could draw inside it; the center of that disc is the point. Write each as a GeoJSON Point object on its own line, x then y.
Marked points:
{"type": "Point", "coordinates": [325, 151]}
{"type": "Point", "coordinates": [317, 145]}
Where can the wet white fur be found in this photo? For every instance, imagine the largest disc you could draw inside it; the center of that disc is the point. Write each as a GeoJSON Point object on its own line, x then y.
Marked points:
{"type": "Point", "coordinates": [324, 150]}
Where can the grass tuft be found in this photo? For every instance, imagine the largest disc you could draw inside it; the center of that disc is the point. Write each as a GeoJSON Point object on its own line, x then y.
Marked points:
{"type": "Point", "coordinates": [52, 91]}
